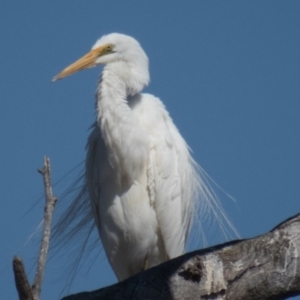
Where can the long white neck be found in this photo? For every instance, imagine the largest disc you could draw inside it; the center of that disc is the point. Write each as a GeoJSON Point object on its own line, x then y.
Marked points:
{"type": "Point", "coordinates": [125, 139]}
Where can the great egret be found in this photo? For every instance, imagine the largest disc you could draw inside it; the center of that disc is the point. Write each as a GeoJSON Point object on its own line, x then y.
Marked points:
{"type": "Point", "coordinates": [142, 183]}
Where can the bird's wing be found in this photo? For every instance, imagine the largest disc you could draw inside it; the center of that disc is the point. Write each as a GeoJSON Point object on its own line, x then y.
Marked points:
{"type": "Point", "coordinates": [172, 179]}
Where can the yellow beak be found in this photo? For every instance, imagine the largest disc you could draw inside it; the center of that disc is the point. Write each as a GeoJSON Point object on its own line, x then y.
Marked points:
{"type": "Point", "coordinates": [87, 61]}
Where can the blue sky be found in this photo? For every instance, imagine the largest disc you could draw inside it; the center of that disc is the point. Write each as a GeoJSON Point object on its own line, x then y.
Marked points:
{"type": "Point", "coordinates": [228, 72]}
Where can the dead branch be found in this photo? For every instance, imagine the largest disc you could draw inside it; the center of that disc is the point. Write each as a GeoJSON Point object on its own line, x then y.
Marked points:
{"type": "Point", "coordinates": [263, 268]}
{"type": "Point", "coordinates": [22, 284]}
{"type": "Point", "coordinates": [49, 207]}
{"type": "Point", "coordinates": [21, 281]}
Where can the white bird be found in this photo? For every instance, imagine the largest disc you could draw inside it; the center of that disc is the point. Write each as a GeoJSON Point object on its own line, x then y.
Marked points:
{"type": "Point", "coordinates": [142, 183]}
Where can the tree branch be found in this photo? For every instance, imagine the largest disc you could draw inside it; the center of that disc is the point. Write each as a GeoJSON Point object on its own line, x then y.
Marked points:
{"type": "Point", "coordinates": [24, 290]}
{"type": "Point", "coordinates": [263, 268]}
{"type": "Point", "coordinates": [49, 207]}
{"type": "Point", "coordinates": [21, 281]}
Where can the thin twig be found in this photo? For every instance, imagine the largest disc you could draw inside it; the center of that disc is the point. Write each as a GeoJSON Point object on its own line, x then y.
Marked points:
{"type": "Point", "coordinates": [49, 207]}
{"type": "Point", "coordinates": [22, 284]}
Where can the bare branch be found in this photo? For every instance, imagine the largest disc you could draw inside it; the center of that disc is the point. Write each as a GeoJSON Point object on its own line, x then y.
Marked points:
{"type": "Point", "coordinates": [48, 211]}
{"type": "Point", "coordinates": [263, 268]}
{"type": "Point", "coordinates": [21, 281]}
{"type": "Point", "coordinates": [24, 290]}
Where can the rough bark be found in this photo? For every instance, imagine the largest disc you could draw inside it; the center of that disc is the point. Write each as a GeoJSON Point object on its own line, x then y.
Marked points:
{"type": "Point", "coordinates": [263, 268]}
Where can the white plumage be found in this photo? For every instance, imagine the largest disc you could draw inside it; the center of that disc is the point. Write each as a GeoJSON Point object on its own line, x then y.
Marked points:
{"type": "Point", "coordinates": [141, 180]}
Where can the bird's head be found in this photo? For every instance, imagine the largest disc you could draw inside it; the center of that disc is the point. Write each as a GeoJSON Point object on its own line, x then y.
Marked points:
{"type": "Point", "coordinates": [109, 49]}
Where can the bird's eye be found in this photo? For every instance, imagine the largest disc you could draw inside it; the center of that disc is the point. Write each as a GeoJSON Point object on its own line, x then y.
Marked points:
{"type": "Point", "coordinates": [109, 48]}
